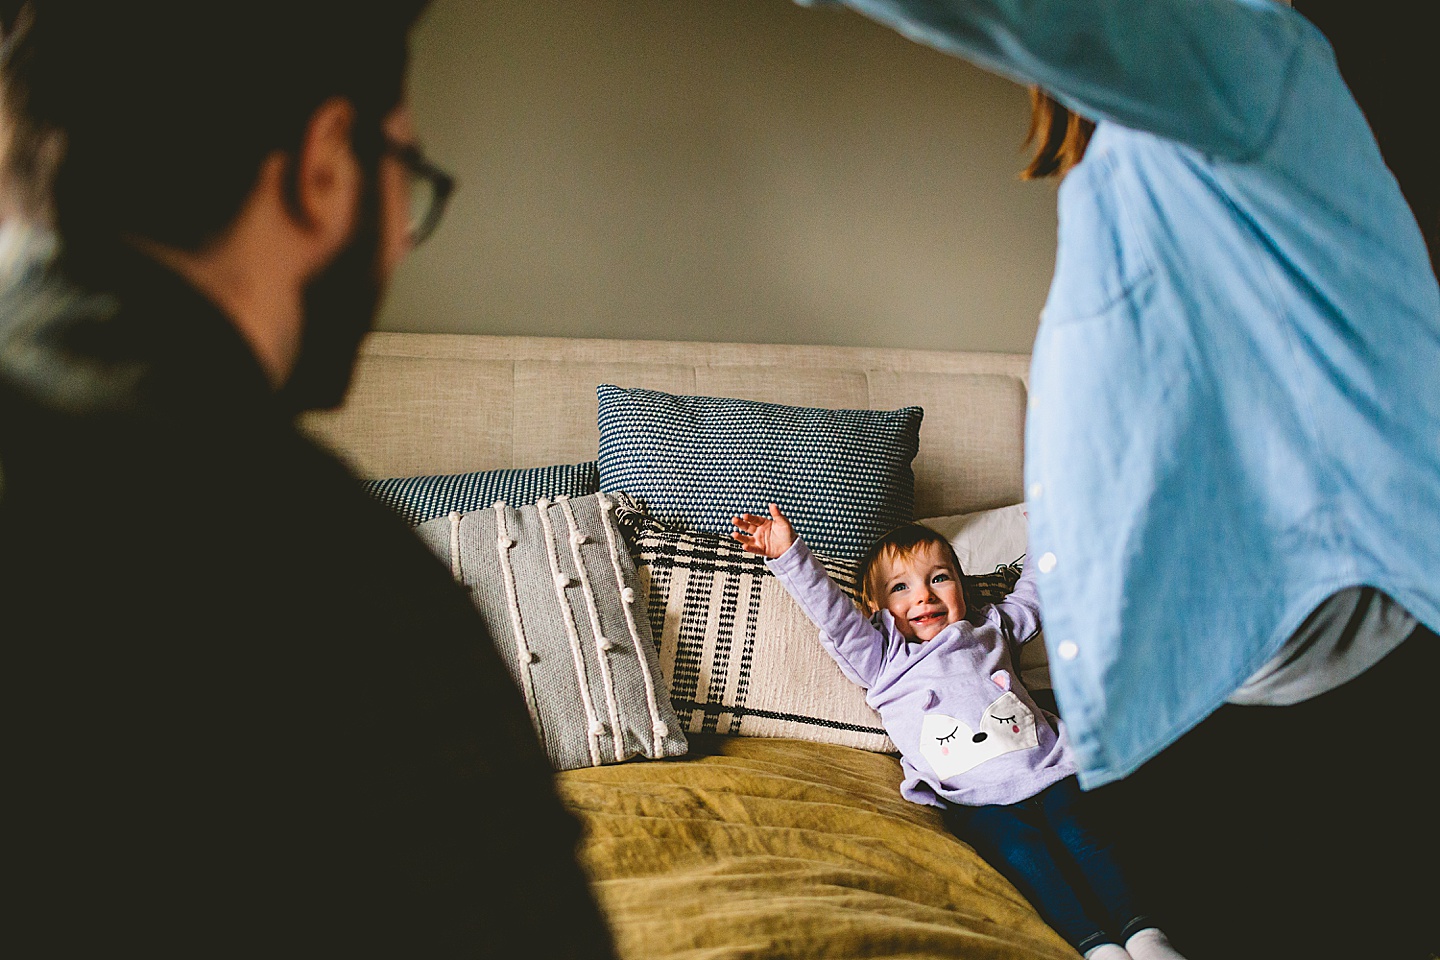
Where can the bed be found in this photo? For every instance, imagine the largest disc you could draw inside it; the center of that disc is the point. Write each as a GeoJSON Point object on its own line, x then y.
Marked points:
{"type": "Point", "coordinates": [747, 846]}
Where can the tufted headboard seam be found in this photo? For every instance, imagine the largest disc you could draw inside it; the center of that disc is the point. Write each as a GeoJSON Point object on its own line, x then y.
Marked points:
{"type": "Point", "coordinates": [450, 403]}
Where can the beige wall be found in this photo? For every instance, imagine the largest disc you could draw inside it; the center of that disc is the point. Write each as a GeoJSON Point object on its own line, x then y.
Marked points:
{"type": "Point", "coordinates": [742, 170]}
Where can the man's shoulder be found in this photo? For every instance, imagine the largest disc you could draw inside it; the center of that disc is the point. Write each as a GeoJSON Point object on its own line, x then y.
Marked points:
{"type": "Point", "coordinates": [248, 507]}
{"type": "Point", "coordinates": [272, 487]}
{"type": "Point", "coordinates": [48, 327]}
{"type": "Point", "coordinates": [142, 444]}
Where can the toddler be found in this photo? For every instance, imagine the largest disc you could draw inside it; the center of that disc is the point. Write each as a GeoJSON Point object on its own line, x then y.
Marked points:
{"type": "Point", "coordinates": [971, 739]}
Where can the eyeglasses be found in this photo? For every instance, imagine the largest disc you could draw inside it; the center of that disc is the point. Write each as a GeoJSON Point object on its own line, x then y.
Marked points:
{"type": "Point", "coordinates": [429, 186]}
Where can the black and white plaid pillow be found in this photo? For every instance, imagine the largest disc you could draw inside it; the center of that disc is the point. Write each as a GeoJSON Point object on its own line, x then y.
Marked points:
{"type": "Point", "coordinates": [419, 499]}
{"type": "Point", "coordinates": [738, 654]}
{"type": "Point", "coordinates": [843, 477]}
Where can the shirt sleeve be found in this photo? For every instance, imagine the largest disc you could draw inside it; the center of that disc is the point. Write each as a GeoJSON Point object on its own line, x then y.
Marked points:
{"type": "Point", "coordinates": [1208, 73]}
{"type": "Point", "coordinates": [845, 633]}
{"type": "Point", "coordinates": [1019, 612]}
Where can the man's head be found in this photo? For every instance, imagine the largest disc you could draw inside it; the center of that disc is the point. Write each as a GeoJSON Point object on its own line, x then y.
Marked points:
{"type": "Point", "coordinates": [157, 123]}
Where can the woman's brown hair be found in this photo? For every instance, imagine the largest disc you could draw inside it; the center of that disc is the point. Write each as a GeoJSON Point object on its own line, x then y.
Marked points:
{"type": "Point", "coordinates": [1059, 134]}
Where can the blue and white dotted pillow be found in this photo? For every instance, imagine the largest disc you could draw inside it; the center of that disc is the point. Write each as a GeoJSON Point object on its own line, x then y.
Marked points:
{"type": "Point", "coordinates": [843, 477]}
{"type": "Point", "coordinates": [418, 499]}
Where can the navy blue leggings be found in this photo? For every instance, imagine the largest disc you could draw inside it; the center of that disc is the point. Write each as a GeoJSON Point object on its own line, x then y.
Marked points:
{"type": "Point", "coordinates": [1048, 848]}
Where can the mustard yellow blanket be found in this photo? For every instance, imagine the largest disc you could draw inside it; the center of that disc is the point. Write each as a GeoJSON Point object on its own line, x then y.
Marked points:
{"type": "Point", "coordinates": [757, 848]}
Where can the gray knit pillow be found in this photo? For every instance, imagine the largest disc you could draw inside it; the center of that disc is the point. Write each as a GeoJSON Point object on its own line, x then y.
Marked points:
{"type": "Point", "coordinates": [559, 595]}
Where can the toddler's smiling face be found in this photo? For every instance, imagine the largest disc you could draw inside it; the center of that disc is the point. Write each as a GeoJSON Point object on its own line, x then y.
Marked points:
{"type": "Point", "coordinates": [922, 592]}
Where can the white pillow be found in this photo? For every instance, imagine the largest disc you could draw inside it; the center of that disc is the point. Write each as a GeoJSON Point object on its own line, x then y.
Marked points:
{"type": "Point", "coordinates": [738, 654]}
{"type": "Point", "coordinates": [987, 539]}
{"type": "Point", "coordinates": [994, 538]}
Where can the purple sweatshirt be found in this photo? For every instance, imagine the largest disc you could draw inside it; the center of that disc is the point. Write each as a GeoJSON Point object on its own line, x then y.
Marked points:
{"type": "Point", "coordinates": [968, 732]}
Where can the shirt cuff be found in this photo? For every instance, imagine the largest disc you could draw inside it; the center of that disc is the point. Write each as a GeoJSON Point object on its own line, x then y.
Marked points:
{"type": "Point", "coordinates": [791, 561]}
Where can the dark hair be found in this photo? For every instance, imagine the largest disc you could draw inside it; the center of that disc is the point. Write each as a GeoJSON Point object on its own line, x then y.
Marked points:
{"type": "Point", "coordinates": [1060, 136]}
{"type": "Point", "coordinates": [152, 117]}
{"type": "Point", "coordinates": [898, 544]}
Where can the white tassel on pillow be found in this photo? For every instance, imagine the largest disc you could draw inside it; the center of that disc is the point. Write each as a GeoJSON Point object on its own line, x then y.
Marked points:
{"type": "Point", "coordinates": [523, 653]}
{"type": "Point", "coordinates": [658, 728]}
{"type": "Point", "coordinates": [612, 703]}
{"type": "Point", "coordinates": [572, 632]}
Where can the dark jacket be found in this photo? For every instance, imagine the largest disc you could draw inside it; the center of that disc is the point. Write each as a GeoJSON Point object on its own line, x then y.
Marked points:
{"type": "Point", "coordinates": [246, 712]}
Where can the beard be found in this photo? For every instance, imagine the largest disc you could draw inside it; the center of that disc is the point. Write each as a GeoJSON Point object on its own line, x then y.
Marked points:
{"type": "Point", "coordinates": [340, 305]}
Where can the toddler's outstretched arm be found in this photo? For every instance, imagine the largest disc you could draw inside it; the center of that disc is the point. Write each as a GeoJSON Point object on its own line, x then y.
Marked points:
{"type": "Point", "coordinates": [1021, 609]}
{"type": "Point", "coordinates": [845, 633]}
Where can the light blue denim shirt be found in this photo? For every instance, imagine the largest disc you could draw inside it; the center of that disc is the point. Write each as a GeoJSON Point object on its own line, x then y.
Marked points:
{"type": "Point", "coordinates": [1235, 406]}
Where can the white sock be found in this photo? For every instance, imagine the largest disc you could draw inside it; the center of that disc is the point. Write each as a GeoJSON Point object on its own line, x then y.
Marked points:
{"type": "Point", "coordinates": [1151, 944]}
{"type": "Point", "coordinates": [1107, 951]}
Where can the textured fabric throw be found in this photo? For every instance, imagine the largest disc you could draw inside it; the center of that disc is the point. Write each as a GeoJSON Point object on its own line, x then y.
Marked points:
{"type": "Point", "coordinates": [984, 589]}
{"type": "Point", "coordinates": [739, 655]}
{"type": "Point", "coordinates": [418, 499]}
{"type": "Point", "coordinates": [562, 603]}
{"type": "Point", "coordinates": [843, 477]}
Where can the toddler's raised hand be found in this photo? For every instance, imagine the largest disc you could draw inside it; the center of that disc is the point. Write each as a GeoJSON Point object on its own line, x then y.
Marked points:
{"type": "Point", "coordinates": [768, 536]}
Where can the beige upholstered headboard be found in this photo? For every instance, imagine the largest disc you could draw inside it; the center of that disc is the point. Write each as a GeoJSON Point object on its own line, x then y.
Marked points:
{"type": "Point", "coordinates": [442, 403]}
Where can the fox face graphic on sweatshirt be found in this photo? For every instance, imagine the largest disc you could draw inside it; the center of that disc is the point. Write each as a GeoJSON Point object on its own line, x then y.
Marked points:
{"type": "Point", "coordinates": [951, 747]}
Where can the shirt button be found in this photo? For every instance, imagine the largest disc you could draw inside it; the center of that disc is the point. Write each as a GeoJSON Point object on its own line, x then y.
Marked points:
{"type": "Point", "coordinates": [1047, 563]}
{"type": "Point", "coordinates": [1036, 490]}
{"type": "Point", "coordinates": [1068, 650]}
